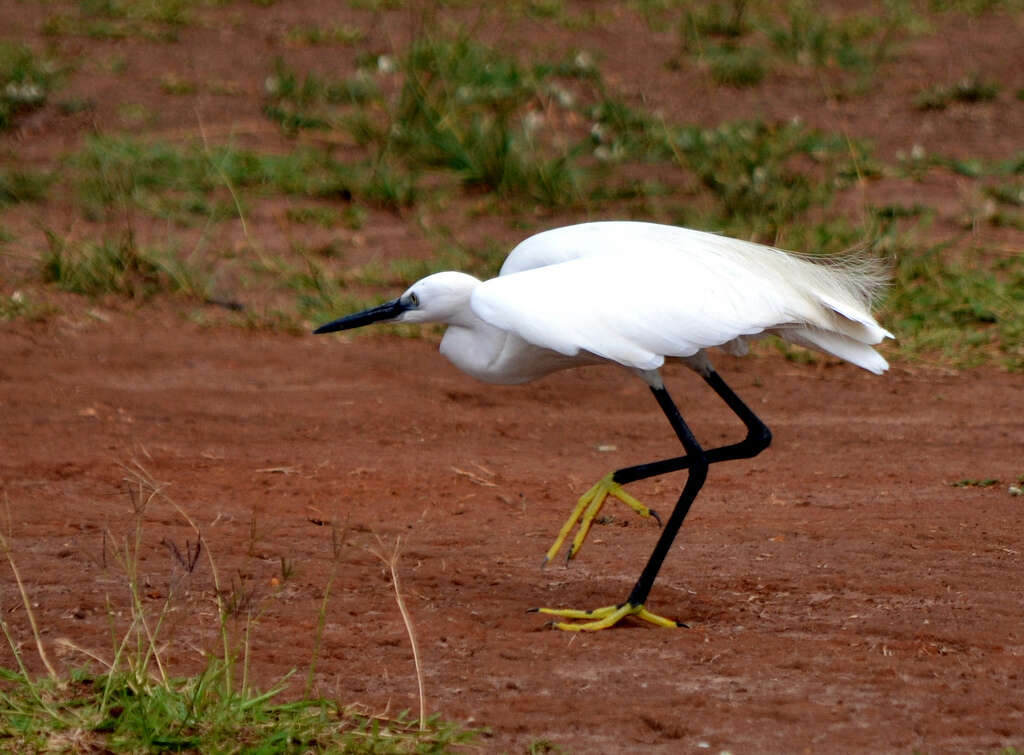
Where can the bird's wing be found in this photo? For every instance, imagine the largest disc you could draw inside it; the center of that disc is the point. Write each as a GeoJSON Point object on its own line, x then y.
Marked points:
{"type": "Point", "coordinates": [636, 292]}
{"type": "Point", "coordinates": [638, 306]}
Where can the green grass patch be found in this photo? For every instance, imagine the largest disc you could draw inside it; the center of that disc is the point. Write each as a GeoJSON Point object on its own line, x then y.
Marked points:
{"type": "Point", "coordinates": [464, 108]}
{"type": "Point", "coordinates": [18, 186]}
{"type": "Point", "coordinates": [1010, 193]}
{"type": "Point", "coordinates": [975, 7]}
{"type": "Point", "coordinates": [121, 268]}
{"type": "Point", "coordinates": [134, 702]}
{"type": "Point", "coordinates": [552, 135]}
{"type": "Point", "coordinates": [988, 482]}
{"type": "Point", "coordinates": [172, 83]}
{"type": "Point", "coordinates": [156, 20]}
{"type": "Point", "coordinates": [766, 176]}
{"type": "Point", "coordinates": [315, 102]}
{"type": "Point", "coordinates": [734, 65]}
{"type": "Point", "coordinates": [761, 177]}
{"type": "Point", "coordinates": [741, 46]}
{"type": "Point", "coordinates": [123, 712]}
{"type": "Point", "coordinates": [325, 217]}
{"type": "Point", "coordinates": [376, 6]}
{"type": "Point", "coordinates": [21, 306]}
{"type": "Point", "coordinates": [188, 182]}
{"type": "Point", "coordinates": [970, 89]}
{"type": "Point", "coordinates": [333, 34]}
{"type": "Point", "coordinates": [26, 80]}
{"type": "Point", "coordinates": [967, 311]}
{"type": "Point", "coordinates": [854, 42]}
{"type": "Point", "coordinates": [730, 20]}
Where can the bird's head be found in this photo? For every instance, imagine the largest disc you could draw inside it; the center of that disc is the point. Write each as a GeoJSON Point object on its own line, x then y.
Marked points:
{"type": "Point", "coordinates": [441, 298]}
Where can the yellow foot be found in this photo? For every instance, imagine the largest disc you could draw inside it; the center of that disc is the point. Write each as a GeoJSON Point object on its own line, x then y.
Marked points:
{"type": "Point", "coordinates": [587, 507]}
{"type": "Point", "coordinates": [602, 618]}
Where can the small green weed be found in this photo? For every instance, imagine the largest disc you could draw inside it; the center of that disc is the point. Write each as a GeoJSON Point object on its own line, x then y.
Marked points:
{"type": "Point", "coordinates": [967, 310]}
{"type": "Point", "coordinates": [26, 79]}
{"type": "Point", "coordinates": [974, 7]}
{"type": "Point", "coordinates": [750, 169]}
{"type": "Point", "coordinates": [733, 65]}
{"type": "Point", "coordinates": [544, 9]}
{"type": "Point", "coordinates": [314, 102]}
{"type": "Point", "coordinates": [179, 182]}
{"type": "Point", "coordinates": [324, 35]}
{"type": "Point", "coordinates": [74, 105]}
{"type": "Point", "coordinates": [969, 483]}
{"type": "Point", "coordinates": [377, 5]}
{"type": "Point", "coordinates": [1011, 193]}
{"type": "Point", "coordinates": [853, 43]}
{"type": "Point", "coordinates": [20, 306]}
{"type": "Point", "coordinates": [22, 186]}
{"type": "Point", "coordinates": [715, 19]}
{"type": "Point", "coordinates": [970, 89]}
{"type": "Point", "coordinates": [325, 217]}
{"type": "Point", "coordinates": [121, 268]}
{"type": "Point", "coordinates": [461, 108]}
{"type": "Point", "coordinates": [172, 83]}
{"type": "Point", "coordinates": [543, 746]}
{"type": "Point", "coordinates": [740, 49]}
{"type": "Point", "coordinates": [157, 20]}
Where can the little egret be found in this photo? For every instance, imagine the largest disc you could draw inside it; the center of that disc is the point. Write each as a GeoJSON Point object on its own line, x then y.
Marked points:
{"type": "Point", "coordinates": [636, 294]}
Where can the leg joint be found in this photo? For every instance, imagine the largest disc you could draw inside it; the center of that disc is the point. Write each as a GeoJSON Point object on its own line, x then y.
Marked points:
{"type": "Point", "coordinates": [759, 438]}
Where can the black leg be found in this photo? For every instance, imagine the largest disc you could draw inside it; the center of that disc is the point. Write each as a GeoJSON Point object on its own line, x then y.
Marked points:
{"type": "Point", "coordinates": [697, 463]}
{"type": "Point", "coordinates": [758, 438]}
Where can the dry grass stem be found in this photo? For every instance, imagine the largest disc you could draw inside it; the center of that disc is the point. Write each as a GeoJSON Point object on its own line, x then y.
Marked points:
{"type": "Point", "coordinates": [392, 563]}
{"type": "Point", "coordinates": [5, 544]}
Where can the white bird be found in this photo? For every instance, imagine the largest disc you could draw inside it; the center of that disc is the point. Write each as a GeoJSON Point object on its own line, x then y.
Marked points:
{"type": "Point", "coordinates": [636, 294]}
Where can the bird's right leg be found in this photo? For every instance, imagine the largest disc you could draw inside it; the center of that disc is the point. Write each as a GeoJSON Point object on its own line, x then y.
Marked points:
{"type": "Point", "coordinates": [602, 618]}
{"type": "Point", "coordinates": [589, 505]}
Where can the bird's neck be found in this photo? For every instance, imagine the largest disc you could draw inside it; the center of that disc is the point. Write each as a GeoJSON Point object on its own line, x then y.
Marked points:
{"type": "Point", "coordinates": [475, 347]}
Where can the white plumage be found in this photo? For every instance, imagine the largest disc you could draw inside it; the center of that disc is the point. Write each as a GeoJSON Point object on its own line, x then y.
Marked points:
{"type": "Point", "coordinates": [635, 293]}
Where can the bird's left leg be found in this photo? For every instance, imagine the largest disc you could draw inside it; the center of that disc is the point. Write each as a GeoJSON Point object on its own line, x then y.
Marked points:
{"type": "Point", "coordinates": [697, 465]}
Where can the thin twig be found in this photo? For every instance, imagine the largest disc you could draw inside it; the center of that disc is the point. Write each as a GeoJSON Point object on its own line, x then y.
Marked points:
{"type": "Point", "coordinates": [5, 545]}
{"type": "Point", "coordinates": [144, 477]}
{"type": "Point", "coordinates": [393, 566]}
{"type": "Point", "coordinates": [336, 544]}
{"type": "Point", "coordinates": [474, 478]}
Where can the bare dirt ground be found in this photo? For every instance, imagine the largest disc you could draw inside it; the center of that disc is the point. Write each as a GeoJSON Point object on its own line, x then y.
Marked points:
{"type": "Point", "coordinates": [840, 593]}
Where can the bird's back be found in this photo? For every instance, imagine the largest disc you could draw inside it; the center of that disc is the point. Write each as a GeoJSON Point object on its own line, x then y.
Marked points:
{"type": "Point", "coordinates": [636, 293]}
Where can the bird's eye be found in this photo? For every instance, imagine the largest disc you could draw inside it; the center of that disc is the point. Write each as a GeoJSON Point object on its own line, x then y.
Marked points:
{"type": "Point", "coordinates": [414, 300]}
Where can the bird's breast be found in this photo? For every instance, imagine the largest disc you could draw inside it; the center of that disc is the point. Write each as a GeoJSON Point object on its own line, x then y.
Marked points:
{"type": "Point", "coordinates": [497, 356]}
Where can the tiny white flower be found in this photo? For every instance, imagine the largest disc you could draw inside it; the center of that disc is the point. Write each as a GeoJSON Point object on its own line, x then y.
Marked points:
{"type": "Point", "coordinates": [532, 121]}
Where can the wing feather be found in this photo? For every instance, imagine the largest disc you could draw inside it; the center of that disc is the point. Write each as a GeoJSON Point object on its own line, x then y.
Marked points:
{"type": "Point", "coordinates": [635, 293]}
{"type": "Point", "coordinates": [634, 311]}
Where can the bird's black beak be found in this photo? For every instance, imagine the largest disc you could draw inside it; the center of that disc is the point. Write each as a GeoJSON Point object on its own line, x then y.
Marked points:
{"type": "Point", "coordinates": [386, 311]}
